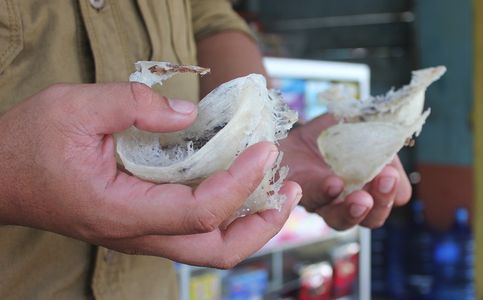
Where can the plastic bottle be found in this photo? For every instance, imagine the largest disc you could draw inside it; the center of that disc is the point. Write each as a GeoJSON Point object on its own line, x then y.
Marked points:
{"type": "Point", "coordinates": [420, 245]}
{"type": "Point", "coordinates": [378, 263]}
{"type": "Point", "coordinates": [454, 261]}
{"type": "Point", "coordinates": [387, 264]}
{"type": "Point", "coordinates": [396, 273]}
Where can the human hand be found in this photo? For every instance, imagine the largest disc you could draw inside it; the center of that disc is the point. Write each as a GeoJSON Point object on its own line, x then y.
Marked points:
{"type": "Point", "coordinates": [369, 207]}
{"type": "Point", "coordinates": [59, 174]}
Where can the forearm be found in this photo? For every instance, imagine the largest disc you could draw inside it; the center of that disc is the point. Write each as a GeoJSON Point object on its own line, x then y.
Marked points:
{"type": "Point", "coordinates": [11, 184]}
{"type": "Point", "coordinates": [229, 55]}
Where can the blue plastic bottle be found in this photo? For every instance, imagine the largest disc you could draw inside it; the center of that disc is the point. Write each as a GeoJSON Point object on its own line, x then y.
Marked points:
{"type": "Point", "coordinates": [379, 285]}
{"type": "Point", "coordinates": [387, 269]}
{"type": "Point", "coordinates": [396, 272]}
{"type": "Point", "coordinates": [420, 247]}
{"type": "Point", "coordinates": [454, 261]}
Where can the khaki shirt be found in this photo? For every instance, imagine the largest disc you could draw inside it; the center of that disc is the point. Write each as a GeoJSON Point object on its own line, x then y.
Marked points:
{"type": "Point", "coordinates": [48, 41]}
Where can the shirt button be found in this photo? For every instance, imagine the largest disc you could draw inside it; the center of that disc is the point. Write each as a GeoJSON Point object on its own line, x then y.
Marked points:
{"type": "Point", "coordinates": [97, 4]}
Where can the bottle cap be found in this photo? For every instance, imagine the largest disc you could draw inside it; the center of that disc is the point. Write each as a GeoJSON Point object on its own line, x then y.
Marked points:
{"type": "Point", "coordinates": [461, 215]}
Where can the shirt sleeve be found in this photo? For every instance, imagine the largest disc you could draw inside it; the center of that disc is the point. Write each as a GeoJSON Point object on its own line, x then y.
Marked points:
{"type": "Point", "coordinates": [213, 16]}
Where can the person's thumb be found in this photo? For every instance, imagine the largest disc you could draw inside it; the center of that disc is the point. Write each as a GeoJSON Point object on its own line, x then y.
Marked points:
{"type": "Point", "coordinates": [319, 124]}
{"type": "Point", "coordinates": [113, 107]}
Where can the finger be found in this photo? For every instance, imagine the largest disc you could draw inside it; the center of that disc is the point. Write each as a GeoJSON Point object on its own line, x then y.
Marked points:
{"type": "Point", "coordinates": [345, 213]}
{"type": "Point", "coordinates": [113, 107]}
{"type": "Point", "coordinates": [177, 209]}
{"type": "Point", "coordinates": [325, 192]}
{"type": "Point", "coordinates": [220, 249]}
{"type": "Point", "coordinates": [403, 188]}
{"type": "Point", "coordinates": [384, 190]}
{"type": "Point", "coordinates": [312, 129]}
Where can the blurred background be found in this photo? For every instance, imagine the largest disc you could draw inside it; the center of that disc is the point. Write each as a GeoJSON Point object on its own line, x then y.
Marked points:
{"type": "Point", "coordinates": [426, 249]}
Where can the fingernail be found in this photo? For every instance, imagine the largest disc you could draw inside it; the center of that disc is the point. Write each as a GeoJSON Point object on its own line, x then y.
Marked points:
{"type": "Point", "coordinates": [357, 210]}
{"type": "Point", "coordinates": [181, 106]}
{"type": "Point", "coordinates": [297, 199]}
{"type": "Point", "coordinates": [386, 184]}
{"type": "Point", "coordinates": [333, 191]}
{"type": "Point", "coordinates": [270, 160]}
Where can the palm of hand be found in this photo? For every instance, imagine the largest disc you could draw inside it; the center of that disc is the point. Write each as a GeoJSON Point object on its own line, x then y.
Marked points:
{"type": "Point", "coordinates": [322, 188]}
{"type": "Point", "coordinates": [308, 168]}
{"type": "Point", "coordinates": [60, 175]}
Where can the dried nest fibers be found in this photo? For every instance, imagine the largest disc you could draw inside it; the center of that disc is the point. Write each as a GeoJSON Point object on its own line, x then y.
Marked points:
{"type": "Point", "coordinates": [235, 115]}
{"type": "Point", "coordinates": [242, 112]}
{"type": "Point", "coordinates": [370, 132]}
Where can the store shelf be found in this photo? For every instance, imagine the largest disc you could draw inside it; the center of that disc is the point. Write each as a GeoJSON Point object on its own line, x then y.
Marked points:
{"type": "Point", "coordinates": [275, 253]}
{"type": "Point", "coordinates": [289, 245]}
